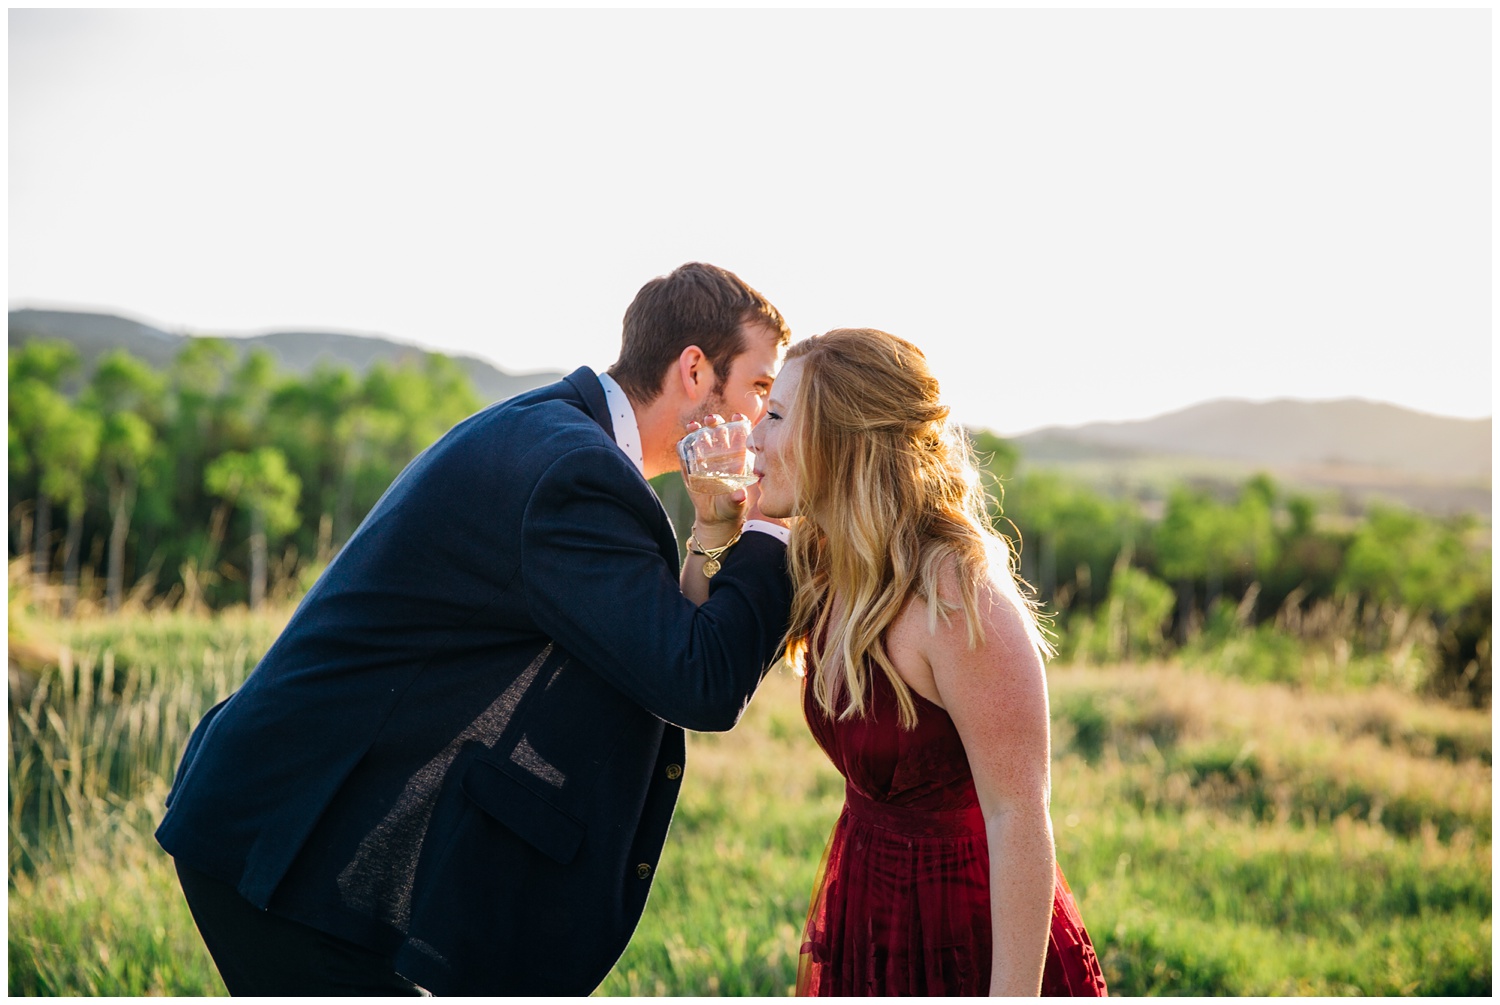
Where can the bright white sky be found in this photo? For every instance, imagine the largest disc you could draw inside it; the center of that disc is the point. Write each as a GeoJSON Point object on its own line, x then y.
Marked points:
{"type": "Point", "coordinates": [1079, 215]}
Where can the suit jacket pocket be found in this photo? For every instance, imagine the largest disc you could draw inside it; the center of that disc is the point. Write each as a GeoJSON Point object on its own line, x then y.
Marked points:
{"type": "Point", "coordinates": [511, 802]}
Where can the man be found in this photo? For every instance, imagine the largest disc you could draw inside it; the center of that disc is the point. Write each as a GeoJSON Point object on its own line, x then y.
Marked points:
{"type": "Point", "coordinates": [454, 770]}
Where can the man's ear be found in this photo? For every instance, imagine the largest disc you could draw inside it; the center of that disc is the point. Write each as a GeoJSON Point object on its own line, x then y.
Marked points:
{"type": "Point", "coordinates": [695, 373]}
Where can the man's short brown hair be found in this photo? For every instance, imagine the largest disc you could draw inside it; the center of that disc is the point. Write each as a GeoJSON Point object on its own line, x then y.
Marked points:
{"type": "Point", "coordinates": [697, 304]}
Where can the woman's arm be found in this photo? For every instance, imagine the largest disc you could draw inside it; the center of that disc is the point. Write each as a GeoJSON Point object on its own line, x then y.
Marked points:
{"type": "Point", "coordinates": [717, 521]}
{"type": "Point", "coordinates": [712, 529]}
{"type": "Point", "coordinates": [694, 581]}
{"type": "Point", "coordinates": [996, 695]}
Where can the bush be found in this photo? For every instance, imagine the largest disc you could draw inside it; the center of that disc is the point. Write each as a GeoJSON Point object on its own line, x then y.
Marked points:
{"type": "Point", "coordinates": [1131, 624]}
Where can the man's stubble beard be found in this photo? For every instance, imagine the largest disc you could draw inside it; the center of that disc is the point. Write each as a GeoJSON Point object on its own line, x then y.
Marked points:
{"type": "Point", "coordinates": [714, 404]}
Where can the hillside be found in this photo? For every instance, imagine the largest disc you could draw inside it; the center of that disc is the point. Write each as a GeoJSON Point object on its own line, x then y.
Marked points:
{"type": "Point", "coordinates": [1362, 449]}
{"type": "Point", "coordinates": [296, 352]}
{"type": "Point", "coordinates": [1348, 432]}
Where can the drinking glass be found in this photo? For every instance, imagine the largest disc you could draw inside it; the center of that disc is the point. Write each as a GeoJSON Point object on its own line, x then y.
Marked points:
{"type": "Point", "coordinates": [717, 459]}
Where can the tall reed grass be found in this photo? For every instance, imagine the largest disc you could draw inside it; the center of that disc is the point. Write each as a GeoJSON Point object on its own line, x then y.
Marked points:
{"type": "Point", "coordinates": [99, 713]}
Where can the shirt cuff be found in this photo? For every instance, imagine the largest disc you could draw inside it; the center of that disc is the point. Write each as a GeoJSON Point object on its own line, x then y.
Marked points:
{"type": "Point", "coordinates": [780, 533]}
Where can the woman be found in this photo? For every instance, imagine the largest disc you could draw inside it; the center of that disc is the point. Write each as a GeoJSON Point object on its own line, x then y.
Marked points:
{"type": "Point", "coordinates": [923, 682]}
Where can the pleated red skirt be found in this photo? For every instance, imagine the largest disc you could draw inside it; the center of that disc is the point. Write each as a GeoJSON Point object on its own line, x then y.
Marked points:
{"type": "Point", "coordinates": [901, 905]}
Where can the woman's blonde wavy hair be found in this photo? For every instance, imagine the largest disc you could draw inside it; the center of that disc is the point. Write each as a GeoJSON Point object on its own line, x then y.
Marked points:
{"type": "Point", "coordinates": [888, 495]}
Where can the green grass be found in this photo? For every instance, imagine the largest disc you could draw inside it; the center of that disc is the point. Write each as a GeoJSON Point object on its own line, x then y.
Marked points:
{"type": "Point", "coordinates": [1200, 866]}
{"type": "Point", "coordinates": [110, 921]}
{"type": "Point", "coordinates": [1222, 836]}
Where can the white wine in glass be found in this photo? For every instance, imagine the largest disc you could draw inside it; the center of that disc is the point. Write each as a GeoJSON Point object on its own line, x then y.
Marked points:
{"type": "Point", "coordinates": [718, 483]}
{"type": "Point", "coordinates": [716, 459]}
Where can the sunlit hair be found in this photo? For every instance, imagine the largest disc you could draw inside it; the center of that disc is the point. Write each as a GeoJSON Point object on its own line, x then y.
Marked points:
{"type": "Point", "coordinates": [888, 496]}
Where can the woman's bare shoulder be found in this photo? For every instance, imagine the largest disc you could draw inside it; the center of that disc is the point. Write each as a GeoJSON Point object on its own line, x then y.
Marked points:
{"type": "Point", "coordinates": [1002, 614]}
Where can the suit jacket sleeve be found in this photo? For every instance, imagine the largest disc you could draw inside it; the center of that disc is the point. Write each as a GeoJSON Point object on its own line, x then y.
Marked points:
{"type": "Point", "coordinates": [597, 582]}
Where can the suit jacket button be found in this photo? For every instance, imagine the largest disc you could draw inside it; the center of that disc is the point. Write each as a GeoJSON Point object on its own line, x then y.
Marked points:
{"type": "Point", "coordinates": [674, 771]}
{"type": "Point", "coordinates": [643, 871]}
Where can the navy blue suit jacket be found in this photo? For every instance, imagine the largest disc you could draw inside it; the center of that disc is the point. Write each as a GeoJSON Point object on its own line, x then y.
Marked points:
{"type": "Point", "coordinates": [465, 748]}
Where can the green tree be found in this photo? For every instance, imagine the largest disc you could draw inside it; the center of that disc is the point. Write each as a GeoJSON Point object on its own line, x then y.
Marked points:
{"type": "Point", "coordinates": [127, 393]}
{"type": "Point", "coordinates": [145, 488]}
{"type": "Point", "coordinates": [308, 423]}
{"type": "Point", "coordinates": [370, 459]}
{"type": "Point", "coordinates": [1202, 540]}
{"type": "Point", "coordinates": [1131, 622]}
{"type": "Point", "coordinates": [243, 408]}
{"type": "Point", "coordinates": [399, 411]}
{"type": "Point", "coordinates": [70, 442]}
{"type": "Point", "coordinates": [1437, 569]}
{"type": "Point", "coordinates": [125, 383]}
{"type": "Point", "coordinates": [35, 408]}
{"type": "Point", "coordinates": [48, 361]}
{"type": "Point", "coordinates": [1070, 536]}
{"type": "Point", "coordinates": [1308, 558]}
{"type": "Point", "coordinates": [1249, 545]}
{"type": "Point", "coordinates": [259, 482]}
{"type": "Point", "coordinates": [176, 511]}
{"type": "Point", "coordinates": [1401, 557]}
{"type": "Point", "coordinates": [127, 445]}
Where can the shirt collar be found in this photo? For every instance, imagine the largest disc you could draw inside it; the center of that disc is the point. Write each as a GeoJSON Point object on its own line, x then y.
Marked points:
{"type": "Point", "coordinates": [627, 430]}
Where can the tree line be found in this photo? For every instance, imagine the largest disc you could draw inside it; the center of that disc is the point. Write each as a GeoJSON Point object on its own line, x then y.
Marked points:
{"type": "Point", "coordinates": [212, 482]}
{"type": "Point", "coordinates": [221, 481]}
{"type": "Point", "coordinates": [1253, 574]}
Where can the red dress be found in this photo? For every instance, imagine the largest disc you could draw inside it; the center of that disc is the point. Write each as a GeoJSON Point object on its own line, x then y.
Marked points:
{"type": "Point", "coordinates": [901, 905]}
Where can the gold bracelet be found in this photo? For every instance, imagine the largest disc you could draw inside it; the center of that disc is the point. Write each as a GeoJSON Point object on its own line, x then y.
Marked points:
{"type": "Point", "coordinates": [712, 554]}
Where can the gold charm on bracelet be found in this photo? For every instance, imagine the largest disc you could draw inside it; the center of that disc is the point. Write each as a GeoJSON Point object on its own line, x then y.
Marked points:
{"type": "Point", "coordinates": [712, 554]}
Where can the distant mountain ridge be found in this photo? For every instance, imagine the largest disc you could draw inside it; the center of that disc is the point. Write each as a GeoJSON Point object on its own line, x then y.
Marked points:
{"type": "Point", "coordinates": [94, 334]}
{"type": "Point", "coordinates": [1288, 433]}
{"type": "Point", "coordinates": [1348, 443]}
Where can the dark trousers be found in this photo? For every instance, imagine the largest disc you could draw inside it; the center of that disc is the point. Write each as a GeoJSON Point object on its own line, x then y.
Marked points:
{"type": "Point", "coordinates": [260, 953]}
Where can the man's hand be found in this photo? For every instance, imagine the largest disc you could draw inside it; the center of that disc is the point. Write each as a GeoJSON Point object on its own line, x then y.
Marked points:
{"type": "Point", "coordinates": [719, 517]}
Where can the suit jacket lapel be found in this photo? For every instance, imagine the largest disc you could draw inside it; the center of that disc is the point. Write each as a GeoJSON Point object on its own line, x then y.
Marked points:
{"type": "Point", "coordinates": [586, 383]}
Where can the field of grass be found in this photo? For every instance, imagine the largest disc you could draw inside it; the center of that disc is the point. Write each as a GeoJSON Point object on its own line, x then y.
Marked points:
{"type": "Point", "coordinates": [1222, 836]}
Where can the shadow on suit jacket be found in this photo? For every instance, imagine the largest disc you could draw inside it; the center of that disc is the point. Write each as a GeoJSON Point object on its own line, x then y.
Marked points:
{"type": "Point", "coordinates": [465, 747]}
